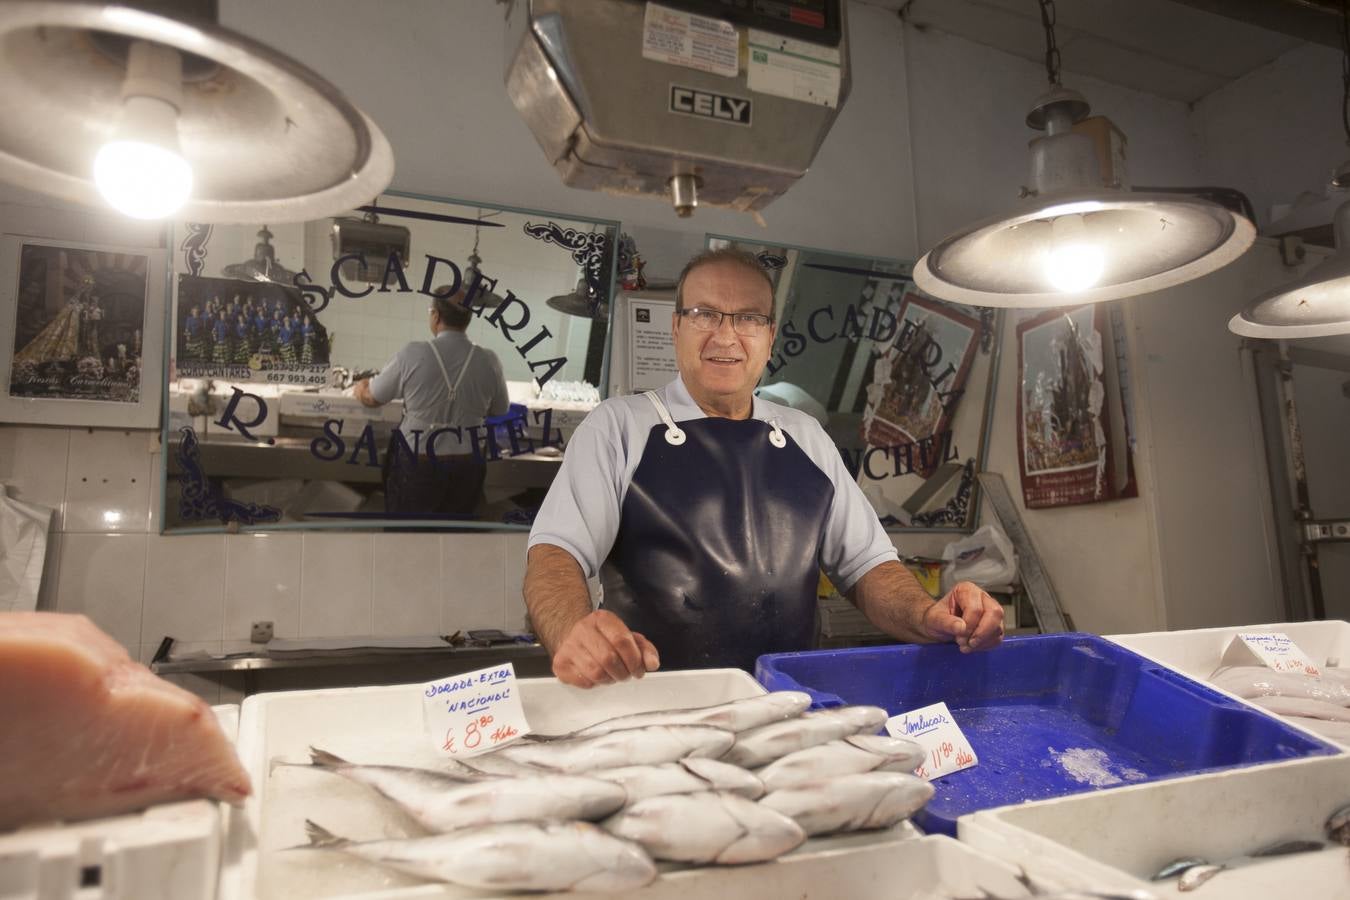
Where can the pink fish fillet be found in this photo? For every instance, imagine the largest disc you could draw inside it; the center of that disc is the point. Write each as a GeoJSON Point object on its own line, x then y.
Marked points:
{"type": "Point", "coordinates": [86, 732]}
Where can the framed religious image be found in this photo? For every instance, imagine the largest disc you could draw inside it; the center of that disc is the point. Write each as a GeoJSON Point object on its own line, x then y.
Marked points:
{"type": "Point", "coordinates": [1072, 428]}
{"type": "Point", "coordinates": [86, 326]}
{"type": "Point", "coordinates": [919, 379]}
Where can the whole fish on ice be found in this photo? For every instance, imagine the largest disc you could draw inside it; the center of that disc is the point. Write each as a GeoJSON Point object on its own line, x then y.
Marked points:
{"type": "Point", "coordinates": [852, 802]}
{"type": "Point", "coordinates": [651, 745]}
{"type": "Point", "coordinates": [762, 745]}
{"type": "Point", "coordinates": [520, 856]}
{"type": "Point", "coordinates": [737, 715]}
{"type": "Point", "coordinates": [849, 756]}
{"type": "Point", "coordinates": [1249, 682]}
{"type": "Point", "coordinates": [441, 802]}
{"type": "Point", "coordinates": [711, 827]}
{"type": "Point", "coordinates": [1303, 707]}
{"type": "Point", "coordinates": [688, 776]}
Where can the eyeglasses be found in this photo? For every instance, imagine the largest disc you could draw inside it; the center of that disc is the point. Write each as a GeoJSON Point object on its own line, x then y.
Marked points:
{"type": "Point", "coordinates": [745, 324]}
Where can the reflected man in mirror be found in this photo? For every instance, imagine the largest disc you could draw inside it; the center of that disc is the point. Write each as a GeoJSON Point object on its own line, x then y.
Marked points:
{"type": "Point", "coordinates": [446, 382]}
{"type": "Point", "coordinates": [708, 513]}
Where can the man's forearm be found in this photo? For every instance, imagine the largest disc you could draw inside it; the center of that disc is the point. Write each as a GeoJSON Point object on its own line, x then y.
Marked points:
{"type": "Point", "coordinates": [555, 593]}
{"type": "Point", "coordinates": [361, 390]}
{"type": "Point", "coordinates": [893, 600]}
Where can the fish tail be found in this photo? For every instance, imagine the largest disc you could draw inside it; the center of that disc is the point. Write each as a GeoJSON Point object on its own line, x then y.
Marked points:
{"type": "Point", "coordinates": [325, 760]}
{"type": "Point", "coordinates": [322, 837]}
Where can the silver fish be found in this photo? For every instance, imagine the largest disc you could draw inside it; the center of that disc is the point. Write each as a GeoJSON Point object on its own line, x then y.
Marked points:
{"type": "Point", "coordinates": [1250, 682]}
{"type": "Point", "coordinates": [762, 745]}
{"type": "Point", "coordinates": [1338, 826]}
{"type": "Point", "coordinates": [1178, 866]}
{"type": "Point", "coordinates": [1195, 876]}
{"type": "Point", "coordinates": [635, 746]}
{"type": "Point", "coordinates": [688, 776]}
{"type": "Point", "coordinates": [521, 856]}
{"type": "Point", "coordinates": [1301, 706]}
{"type": "Point", "coordinates": [737, 715]}
{"type": "Point", "coordinates": [440, 802]}
{"type": "Point", "coordinates": [711, 827]}
{"type": "Point", "coordinates": [852, 802]}
{"type": "Point", "coordinates": [849, 756]}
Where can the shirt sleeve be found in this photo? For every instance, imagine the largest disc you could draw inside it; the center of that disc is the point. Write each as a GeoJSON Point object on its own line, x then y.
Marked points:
{"type": "Point", "coordinates": [580, 514]}
{"type": "Point", "coordinates": [388, 384]}
{"type": "Point", "coordinates": [501, 399]}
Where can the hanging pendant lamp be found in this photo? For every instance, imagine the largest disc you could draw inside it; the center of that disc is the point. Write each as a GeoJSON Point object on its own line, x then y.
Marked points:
{"type": "Point", "coordinates": [473, 272]}
{"type": "Point", "coordinates": [1071, 240]}
{"type": "Point", "coordinates": [579, 303]}
{"type": "Point", "coordinates": [1318, 304]}
{"type": "Point", "coordinates": [164, 115]}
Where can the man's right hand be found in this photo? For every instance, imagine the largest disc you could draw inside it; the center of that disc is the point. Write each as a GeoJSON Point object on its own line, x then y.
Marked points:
{"type": "Point", "coordinates": [600, 649]}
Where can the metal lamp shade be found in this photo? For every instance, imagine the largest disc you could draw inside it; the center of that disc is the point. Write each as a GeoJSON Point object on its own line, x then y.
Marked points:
{"type": "Point", "coordinates": [1146, 242]}
{"type": "Point", "coordinates": [1316, 305]}
{"type": "Point", "coordinates": [267, 138]}
{"type": "Point", "coordinates": [578, 303]}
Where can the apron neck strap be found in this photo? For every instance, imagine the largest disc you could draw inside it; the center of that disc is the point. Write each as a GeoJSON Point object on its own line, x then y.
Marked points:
{"type": "Point", "coordinates": [675, 435]}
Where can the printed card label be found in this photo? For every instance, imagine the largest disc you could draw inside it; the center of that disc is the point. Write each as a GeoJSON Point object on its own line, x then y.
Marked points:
{"type": "Point", "coordinates": [695, 42]}
{"type": "Point", "coordinates": [935, 729]}
{"type": "Point", "coordinates": [474, 712]}
{"type": "Point", "coordinates": [794, 69]}
{"type": "Point", "coordinates": [1273, 649]}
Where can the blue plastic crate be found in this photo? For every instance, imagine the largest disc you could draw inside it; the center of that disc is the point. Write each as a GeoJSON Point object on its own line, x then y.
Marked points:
{"type": "Point", "coordinates": [1047, 715]}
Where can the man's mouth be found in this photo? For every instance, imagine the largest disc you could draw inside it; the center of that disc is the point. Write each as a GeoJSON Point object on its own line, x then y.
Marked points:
{"type": "Point", "coordinates": [723, 360]}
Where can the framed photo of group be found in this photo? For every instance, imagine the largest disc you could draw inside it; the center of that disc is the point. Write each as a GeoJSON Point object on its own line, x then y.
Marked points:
{"type": "Point", "coordinates": [85, 333]}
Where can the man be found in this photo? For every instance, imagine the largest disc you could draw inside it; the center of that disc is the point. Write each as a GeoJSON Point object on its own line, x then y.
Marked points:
{"type": "Point", "coordinates": [708, 513]}
{"type": "Point", "coordinates": [447, 382]}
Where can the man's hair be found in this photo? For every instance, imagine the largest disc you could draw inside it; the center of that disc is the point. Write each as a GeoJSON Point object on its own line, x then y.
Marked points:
{"type": "Point", "coordinates": [452, 312]}
{"type": "Point", "coordinates": [731, 255]}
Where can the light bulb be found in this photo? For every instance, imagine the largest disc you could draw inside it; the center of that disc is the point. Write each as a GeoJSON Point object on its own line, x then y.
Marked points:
{"type": "Point", "coordinates": [1072, 263]}
{"type": "Point", "coordinates": [140, 172]}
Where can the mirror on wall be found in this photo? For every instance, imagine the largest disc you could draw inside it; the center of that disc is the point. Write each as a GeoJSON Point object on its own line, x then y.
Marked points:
{"type": "Point", "coordinates": [417, 362]}
{"type": "Point", "coordinates": [902, 382]}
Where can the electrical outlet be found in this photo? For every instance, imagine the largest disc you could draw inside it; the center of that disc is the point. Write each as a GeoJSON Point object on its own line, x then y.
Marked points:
{"type": "Point", "coordinates": [261, 633]}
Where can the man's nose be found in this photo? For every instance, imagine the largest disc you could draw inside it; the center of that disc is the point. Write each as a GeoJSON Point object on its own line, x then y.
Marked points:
{"type": "Point", "coordinates": [724, 330]}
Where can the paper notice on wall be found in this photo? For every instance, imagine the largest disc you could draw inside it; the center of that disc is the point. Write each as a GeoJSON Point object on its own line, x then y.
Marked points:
{"type": "Point", "coordinates": [695, 42]}
{"type": "Point", "coordinates": [651, 350]}
{"type": "Point", "coordinates": [794, 69]}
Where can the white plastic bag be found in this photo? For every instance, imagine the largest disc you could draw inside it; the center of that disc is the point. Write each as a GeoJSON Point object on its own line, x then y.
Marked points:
{"type": "Point", "coordinates": [23, 547]}
{"type": "Point", "coordinates": [986, 558]}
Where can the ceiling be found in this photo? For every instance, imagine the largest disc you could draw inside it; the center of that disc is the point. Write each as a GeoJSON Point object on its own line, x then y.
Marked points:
{"type": "Point", "coordinates": [1168, 48]}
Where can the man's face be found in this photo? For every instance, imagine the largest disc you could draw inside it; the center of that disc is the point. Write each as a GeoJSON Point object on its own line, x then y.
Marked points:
{"type": "Point", "coordinates": [722, 363]}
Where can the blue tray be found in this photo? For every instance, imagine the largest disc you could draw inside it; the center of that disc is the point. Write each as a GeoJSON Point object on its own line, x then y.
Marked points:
{"type": "Point", "coordinates": [1047, 715]}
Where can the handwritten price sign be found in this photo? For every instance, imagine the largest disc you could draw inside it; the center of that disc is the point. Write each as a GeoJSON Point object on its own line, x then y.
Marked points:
{"type": "Point", "coordinates": [474, 712]}
{"type": "Point", "coordinates": [935, 729]}
{"type": "Point", "coordinates": [1274, 649]}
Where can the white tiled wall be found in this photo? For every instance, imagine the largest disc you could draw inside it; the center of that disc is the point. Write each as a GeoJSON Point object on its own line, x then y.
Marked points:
{"type": "Point", "coordinates": [106, 559]}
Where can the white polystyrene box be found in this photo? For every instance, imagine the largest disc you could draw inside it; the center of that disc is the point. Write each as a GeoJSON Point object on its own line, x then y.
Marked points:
{"type": "Point", "coordinates": [385, 724]}
{"type": "Point", "coordinates": [1196, 653]}
{"type": "Point", "coordinates": [167, 852]}
{"type": "Point", "coordinates": [1114, 841]}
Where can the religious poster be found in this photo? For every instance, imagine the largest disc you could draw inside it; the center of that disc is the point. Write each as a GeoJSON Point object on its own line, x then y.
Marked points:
{"type": "Point", "coordinates": [1071, 421]}
{"type": "Point", "coordinates": [247, 331]}
{"type": "Point", "coordinates": [83, 319]}
{"type": "Point", "coordinates": [918, 381]}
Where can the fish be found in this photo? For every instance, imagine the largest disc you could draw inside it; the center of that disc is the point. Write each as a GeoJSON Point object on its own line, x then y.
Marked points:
{"type": "Point", "coordinates": [1195, 876]}
{"type": "Point", "coordinates": [1303, 707]}
{"type": "Point", "coordinates": [1177, 867]}
{"type": "Point", "coordinates": [440, 802]}
{"type": "Point", "coordinates": [1336, 731]}
{"type": "Point", "coordinates": [852, 802]}
{"type": "Point", "coordinates": [651, 745]}
{"type": "Point", "coordinates": [1250, 682]}
{"type": "Point", "coordinates": [517, 856]}
{"type": "Point", "coordinates": [737, 715]}
{"type": "Point", "coordinates": [687, 776]}
{"type": "Point", "coordinates": [759, 746]}
{"type": "Point", "coordinates": [1338, 826]}
{"type": "Point", "coordinates": [711, 827]}
{"type": "Point", "coordinates": [848, 756]}
{"type": "Point", "coordinates": [89, 732]}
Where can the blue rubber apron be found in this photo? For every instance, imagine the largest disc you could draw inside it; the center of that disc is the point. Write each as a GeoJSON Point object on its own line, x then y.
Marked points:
{"type": "Point", "coordinates": [716, 560]}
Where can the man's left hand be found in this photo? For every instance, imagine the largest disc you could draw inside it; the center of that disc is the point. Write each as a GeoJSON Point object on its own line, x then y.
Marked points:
{"type": "Point", "coordinates": [968, 616]}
